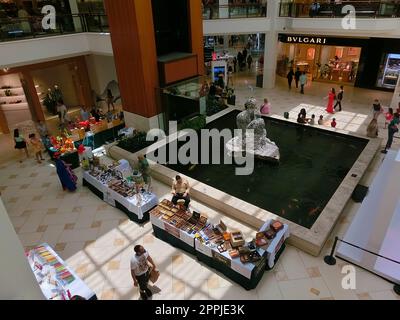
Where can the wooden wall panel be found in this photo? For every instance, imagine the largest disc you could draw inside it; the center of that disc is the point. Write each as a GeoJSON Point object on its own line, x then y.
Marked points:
{"type": "Point", "coordinates": [180, 69]}
{"type": "Point", "coordinates": [196, 32]}
{"type": "Point", "coordinates": [132, 36]}
{"type": "Point", "coordinates": [36, 106]}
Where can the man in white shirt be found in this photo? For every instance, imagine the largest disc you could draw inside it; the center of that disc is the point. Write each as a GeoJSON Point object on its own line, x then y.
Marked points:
{"type": "Point", "coordinates": [180, 190]}
{"type": "Point", "coordinates": [140, 271]}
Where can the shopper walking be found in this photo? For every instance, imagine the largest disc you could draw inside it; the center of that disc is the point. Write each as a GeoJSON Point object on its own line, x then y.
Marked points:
{"type": "Point", "coordinates": [249, 61]}
{"type": "Point", "coordinates": [265, 108]}
{"type": "Point", "coordinates": [389, 117]}
{"type": "Point", "coordinates": [339, 99]}
{"type": "Point", "coordinates": [377, 109]}
{"type": "Point", "coordinates": [67, 177]}
{"type": "Point", "coordinates": [20, 143]}
{"type": "Point", "coordinates": [110, 100]}
{"type": "Point", "coordinates": [331, 99]}
{"type": "Point", "coordinates": [297, 75]}
{"type": "Point", "coordinates": [289, 77]}
{"type": "Point", "coordinates": [140, 271]}
{"type": "Point", "coordinates": [392, 129]}
{"type": "Point", "coordinates": [372, 129]}
{"type": "Point", "coordinates": [303, 82]}
{"type": "Point", "coordinates": [62, 112]}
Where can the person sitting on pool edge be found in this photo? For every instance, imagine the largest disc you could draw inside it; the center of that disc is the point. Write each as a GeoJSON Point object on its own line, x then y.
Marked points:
{"type": "Point", "coordinates": [180, 190]}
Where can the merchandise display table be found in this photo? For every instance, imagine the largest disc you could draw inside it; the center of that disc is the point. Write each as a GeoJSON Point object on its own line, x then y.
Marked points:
{"type": "Point", "coordinates": [97, 139]}
{"type": "Point", "coordinates": [56, 280]}
{"type": "Point", "coordinates": [136, 207]}
{"type": "Point", "coordinates": [189, 237]}
{"type": "Point", "coordinates": [71, 158]}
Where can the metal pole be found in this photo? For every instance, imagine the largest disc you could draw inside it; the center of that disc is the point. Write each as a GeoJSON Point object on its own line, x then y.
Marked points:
{"type": "Point", "coordinates": [330, 260]}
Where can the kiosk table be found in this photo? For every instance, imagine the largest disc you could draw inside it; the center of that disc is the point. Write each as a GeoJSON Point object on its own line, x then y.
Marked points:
{"type": "Point", "coordinates": [56, 280]}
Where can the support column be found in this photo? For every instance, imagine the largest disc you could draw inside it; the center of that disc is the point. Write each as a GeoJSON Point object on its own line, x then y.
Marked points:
{"type": "Point", "coordinates": [75, 10]}
{"type": "Point", "coordinates": [223, 9]}
{"type": "Point", "coordinates": [271, 46]}
{"type": "Point", "coordinates": [84, 87]}
{"type": "Point", "coordinates": [134, 46]}
{"type": "Point", "coordinates": [396, 96]}
{"type": "Point", "coordinates": [31, 96]}
{"type": "Point", "coordinates": [3, 122]}
{"type": "Point", "coordinates": [196, 33]}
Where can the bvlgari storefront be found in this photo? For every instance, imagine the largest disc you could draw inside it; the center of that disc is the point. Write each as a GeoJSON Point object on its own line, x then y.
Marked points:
{"type": "Point", "coordinates": [322, 58]}
{"type": "Point", "coordinates": [363, 62]}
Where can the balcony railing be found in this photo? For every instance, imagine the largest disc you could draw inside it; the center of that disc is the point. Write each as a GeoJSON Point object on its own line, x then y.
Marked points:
{"type": "Point", "coordinates": [231, 11]}
{"type": "Point", "coordinates": [363, 9]}
{"type": "Point", "coordinates": [31, 27]}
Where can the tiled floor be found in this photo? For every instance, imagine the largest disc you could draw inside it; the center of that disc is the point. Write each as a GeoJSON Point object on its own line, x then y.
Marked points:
{"type": "Point", "coordinates": [97, 240]}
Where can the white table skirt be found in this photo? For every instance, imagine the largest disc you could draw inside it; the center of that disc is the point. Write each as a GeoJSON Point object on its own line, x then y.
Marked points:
{"type": "Point", "coordinates": [76, 287]}
{"type": "Point", "coordinates": [276, 243]}
{"type": "Point", "coordinates": [94, 182]}
{"type": "Point", "coordinates": [138, 207]}
{"type": "Point", "coordinates": [149, 200]}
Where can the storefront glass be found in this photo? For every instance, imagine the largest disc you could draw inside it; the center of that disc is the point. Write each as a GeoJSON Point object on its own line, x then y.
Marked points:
{"type": "Point", "coordinates": [389, 71]}
{"type": "Point", "coordinates": [320, 62]}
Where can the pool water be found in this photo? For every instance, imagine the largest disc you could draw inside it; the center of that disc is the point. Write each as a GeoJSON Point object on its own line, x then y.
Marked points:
{"type": "Point", "coordinates": [313, 164]}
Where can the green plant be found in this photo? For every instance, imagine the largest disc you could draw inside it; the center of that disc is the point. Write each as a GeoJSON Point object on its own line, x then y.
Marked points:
{"type": "Point", "coordinates": [196, 123]}
{"type": "Point", "coordinates": [135, 143]}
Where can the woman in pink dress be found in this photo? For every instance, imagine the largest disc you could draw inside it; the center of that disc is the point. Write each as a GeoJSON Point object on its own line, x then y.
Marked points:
{"type": "Point", "coordinates": [331, 99]}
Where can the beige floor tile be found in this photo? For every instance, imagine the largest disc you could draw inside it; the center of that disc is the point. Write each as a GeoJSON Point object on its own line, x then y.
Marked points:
{"type": "Point", "coordinates": [119, 242]}
{"type": "Point", "coordinates": [314, 272]}
{"type": "Point", "coordinates": [293, 265]}
{"type": "Point", "coordinates": [60, 246]}
{"type": "Point", "coordinates": [113, 265]}
{"type": "Point", "coordinates": [304, 289]}
{"type": "Point", "coordinates": [79, 235]}
{"type": "Point", "coordinates": [107, 294]}
{"type": "Point", "coordinates": [268, 288]}
{"type": "Point", "coordinates": [178, 286]}
{"type": "Point", "coordinates": [30, 239]}
{"type": "Point", "coordinates": [364, 296]}
{"type": "Point", "coordinates": [149, 238]}
{"type": "Point", "coordinates": [42, 228]}
{"type": "Point", "coordinates": [69, 226]}
{"type": "Point", "coordinates": [196, 290]}
{"type": "Point", "coordinates": [384, 295]}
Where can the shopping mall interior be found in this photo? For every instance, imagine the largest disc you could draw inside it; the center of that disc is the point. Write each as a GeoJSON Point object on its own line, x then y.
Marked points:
{"type": "Point", "coordinates": [107, 104]}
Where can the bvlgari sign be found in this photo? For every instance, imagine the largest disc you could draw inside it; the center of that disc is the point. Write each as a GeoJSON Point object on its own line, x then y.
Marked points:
{"type": "Point", "coordinates": [302, 39]}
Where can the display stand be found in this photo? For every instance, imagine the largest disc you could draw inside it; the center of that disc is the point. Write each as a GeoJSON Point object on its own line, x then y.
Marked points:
{"type": "Point", "coordinates": [56, 280]}
{"type": "Point", "coordinates": [137, 208]}
{"type": "Point", "coordinates": [247, 275]}
{"type": "Point", "coordinates": [98, 139]}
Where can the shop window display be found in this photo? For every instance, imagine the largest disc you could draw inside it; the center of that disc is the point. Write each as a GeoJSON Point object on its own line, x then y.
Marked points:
{"type": "Point", "coordinates": [323, 63]}
{"type": "Point", "coordinates": [389, 71]}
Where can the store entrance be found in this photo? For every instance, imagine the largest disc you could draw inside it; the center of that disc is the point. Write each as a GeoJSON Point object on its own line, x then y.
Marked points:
{"type": "Point", "coordinates": [336, 64]}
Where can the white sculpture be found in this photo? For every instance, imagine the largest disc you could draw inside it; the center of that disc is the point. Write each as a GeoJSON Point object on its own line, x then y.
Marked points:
{"type": "Point", "coordinates": [257, 143]}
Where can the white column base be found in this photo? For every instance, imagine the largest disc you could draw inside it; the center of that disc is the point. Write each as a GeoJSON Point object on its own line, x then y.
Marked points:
{"type": "Point", "coordinates": [141, 123]}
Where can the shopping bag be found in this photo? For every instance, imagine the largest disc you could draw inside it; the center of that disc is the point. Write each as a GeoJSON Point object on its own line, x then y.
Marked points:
{"type": "Point", "coordinates": [154, 275]}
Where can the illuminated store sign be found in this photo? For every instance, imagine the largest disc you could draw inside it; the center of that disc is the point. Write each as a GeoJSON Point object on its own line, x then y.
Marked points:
{"type": "Point", "coordinates": [302, 39]}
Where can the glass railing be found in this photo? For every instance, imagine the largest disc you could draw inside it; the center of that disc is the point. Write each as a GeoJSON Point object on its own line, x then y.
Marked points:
{"type": "Point", "coordinates": [31, 27]}
{"type": "Point", "coordinates": [231, 11]}
{"type": "Point", "coordinates": [366, 9]}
